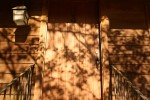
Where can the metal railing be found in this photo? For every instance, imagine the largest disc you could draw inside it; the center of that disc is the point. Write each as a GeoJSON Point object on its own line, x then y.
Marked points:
{"type": "Point", "coordinates": [122, 88]}
{"type": "Point", "coordinates": [20, 87]}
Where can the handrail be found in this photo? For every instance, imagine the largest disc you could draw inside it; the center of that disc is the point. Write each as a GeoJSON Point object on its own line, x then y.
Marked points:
{"type": "Point", "coordinates": [20, 87]}
{"type": "Point", "coordinates": [123, 89]}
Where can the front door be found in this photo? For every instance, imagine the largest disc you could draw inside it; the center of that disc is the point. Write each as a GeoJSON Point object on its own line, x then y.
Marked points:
{"type": "Point", "coordinates": [71, 72]}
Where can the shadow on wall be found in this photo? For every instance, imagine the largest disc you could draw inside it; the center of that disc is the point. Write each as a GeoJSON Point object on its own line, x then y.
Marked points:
{"type": "Point", "coordinates": [21, 33]}
{"type": "Point", "coordinates": [130, 52]}
{"type": "Point", "coordinates": [18, 50]}
{"type": "Point", "coordinates": [70, 71]}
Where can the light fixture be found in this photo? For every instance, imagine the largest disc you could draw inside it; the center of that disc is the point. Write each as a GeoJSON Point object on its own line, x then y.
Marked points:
{"type": "Point", "coordinates": [20, 15]}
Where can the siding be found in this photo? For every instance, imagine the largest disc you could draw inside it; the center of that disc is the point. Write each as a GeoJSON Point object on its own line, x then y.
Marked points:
{"type": "Point", "coordinates": [18, 50]}
{"type": "Point", "coordinates": [130, 53]}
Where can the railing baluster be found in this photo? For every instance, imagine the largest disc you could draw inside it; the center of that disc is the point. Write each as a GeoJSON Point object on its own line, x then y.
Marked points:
{"type": "Point", "coordinates": [114, 74]}
{"type": "Point", "coordinates": [26, 88]}
{"type": "Point", "coordinates": [124, 93]}
{"type": "Point", "coordinates": [14, 92]}
{"type": "Point", "coordinates": [23, 88]}
{"type": "Point", "coordinates": [10, 92]}
{"type": "Point", "coordinates": [4, 95]}
{"type": "Point", "coordinates": [119, 87]}
{"type": "Point", "coordinates": [18, 89]}
{"type": "Point", "coordinates": [28, 84]}
{"type": "Point", "coordinates": [30, 81]}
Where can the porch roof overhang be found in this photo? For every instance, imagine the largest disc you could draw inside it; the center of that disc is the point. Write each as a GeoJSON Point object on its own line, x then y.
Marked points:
{"type": "Point", "coordinates": [122, 14]}
{"type": "Point", "coordinates": [126, 13]}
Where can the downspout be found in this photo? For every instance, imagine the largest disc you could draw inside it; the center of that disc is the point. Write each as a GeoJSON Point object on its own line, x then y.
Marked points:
{"type": "Point", "coordinates": [100, 50]}
{"type": "Point", "coordinates": [101, 62]}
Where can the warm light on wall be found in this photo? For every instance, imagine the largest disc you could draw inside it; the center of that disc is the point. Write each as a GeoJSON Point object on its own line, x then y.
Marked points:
{"type": "Point", "coordinates": [20, 15]}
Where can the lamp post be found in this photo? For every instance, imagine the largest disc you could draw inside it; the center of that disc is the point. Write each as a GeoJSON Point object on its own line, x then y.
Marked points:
{"type": "Point", "coordinates": [20, 15]}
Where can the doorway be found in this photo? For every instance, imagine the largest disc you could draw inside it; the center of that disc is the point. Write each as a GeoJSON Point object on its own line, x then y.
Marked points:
{"type": "Point", "coordinates": [71, 71]}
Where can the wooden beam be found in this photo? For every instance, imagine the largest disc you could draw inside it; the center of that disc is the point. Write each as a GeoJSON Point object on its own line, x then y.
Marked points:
{"type": "Point", "coordinates": [41, 52]}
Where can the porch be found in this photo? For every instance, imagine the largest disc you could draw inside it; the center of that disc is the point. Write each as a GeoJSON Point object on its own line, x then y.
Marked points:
{"type": "Point", "coordinates": [74, 45]}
